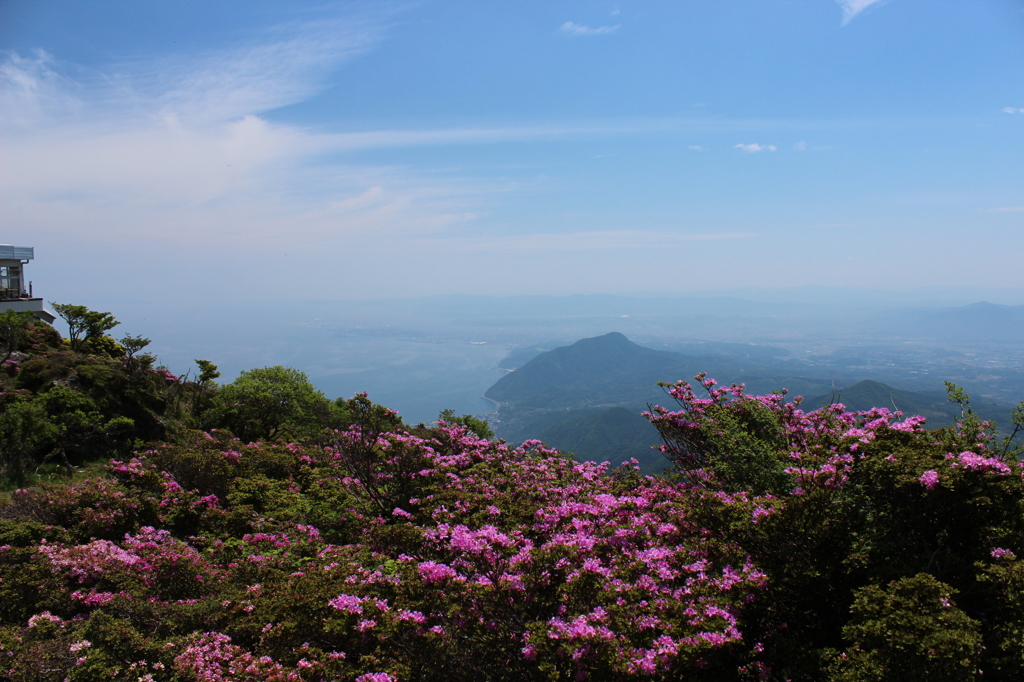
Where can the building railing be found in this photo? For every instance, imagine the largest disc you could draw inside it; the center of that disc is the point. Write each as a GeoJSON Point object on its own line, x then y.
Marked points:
{"type": "Point", "coordinates": [10, 294]}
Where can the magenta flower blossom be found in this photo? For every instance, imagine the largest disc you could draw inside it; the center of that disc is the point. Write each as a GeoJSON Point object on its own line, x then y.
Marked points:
{"type": "Point", "coordinates": [44, 617]}
{"type": "Point", "coordinates": [974, 462]}
{"type": "Point", "coordinates": [347, 603]}
{"type": "Point", "coordinates": [79, 646]}
{"type": "Point", "coordinates": [929, 479]}
{"type": "Point", "coordinates": [433, 572]}
{"type": "Point", "coordinates": [760, 513]}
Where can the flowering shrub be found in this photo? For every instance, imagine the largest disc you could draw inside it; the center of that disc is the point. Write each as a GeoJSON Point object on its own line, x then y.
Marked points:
{"type": "Point", "coordinates": [92, 508]}
{"type": "Point", "coordinates": [848, 500]}
{"type": "Point", "coordinates": [791, 545]}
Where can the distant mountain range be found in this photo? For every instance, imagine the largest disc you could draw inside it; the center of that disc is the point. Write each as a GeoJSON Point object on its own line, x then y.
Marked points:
{"type": "Point", "coordinates": [587, 397]}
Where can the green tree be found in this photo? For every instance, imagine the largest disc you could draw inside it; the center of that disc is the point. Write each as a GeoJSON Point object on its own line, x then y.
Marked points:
{"type": "Point", "coordinates": [203, 391]}
{"type": "Point", "coordinates": [82, 430]}
{"type": "Point", "coordinates": [84, 324]}
{"type": "Point", "coordinates": [132, 345]}
{"type": "Point", "coordinates": [269, 403]}
{"type": "Point", "coordinates": [207, 372]}
{"type": "Point", "coordinates": [26, 435]}
{"type": "Point", "coordinates": [13, 326]}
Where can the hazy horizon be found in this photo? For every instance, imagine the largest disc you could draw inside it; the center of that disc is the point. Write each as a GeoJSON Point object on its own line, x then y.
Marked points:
{"type": "Point", "coordinates": [427, 354]}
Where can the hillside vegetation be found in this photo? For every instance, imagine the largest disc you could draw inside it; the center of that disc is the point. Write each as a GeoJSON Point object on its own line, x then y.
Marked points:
{"type": "Point", "coordinates": [259, 531]}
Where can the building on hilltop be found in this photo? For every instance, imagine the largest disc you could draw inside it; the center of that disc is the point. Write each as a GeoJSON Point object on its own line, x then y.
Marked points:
{"type": "Point", "coordinates": [15, 291]}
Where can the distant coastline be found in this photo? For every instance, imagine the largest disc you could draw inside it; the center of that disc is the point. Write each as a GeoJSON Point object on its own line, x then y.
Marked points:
{"type": "Point", "coordinates": [497, 405]}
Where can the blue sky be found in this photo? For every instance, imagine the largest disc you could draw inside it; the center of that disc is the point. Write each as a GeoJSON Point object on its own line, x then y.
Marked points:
{"type": "Point", "coordinates": [256, 150]}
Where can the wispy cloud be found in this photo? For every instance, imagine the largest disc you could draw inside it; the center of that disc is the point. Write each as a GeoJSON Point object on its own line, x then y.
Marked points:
{"type": "Point", "coordinates": [754, 147]}
{"type": "Point", "coordinates": [34, 91]}
{"type": "Point", "coordinates": [1004, 209]}
{"type": "Point", "coordinates": [852, 8]}
{"type": "Point", "coordinates": [1013, 110]}
{"type": "Point", "coordinates": [696, 148]}
{"type": "Point", "coordinates": [176, 148]}
{"type": "Point", "coordinates": [573, 30]}
{"type": "Point", "coordinates": [800, 146]}
{"type": "Point", "coordinates": [283, 66]}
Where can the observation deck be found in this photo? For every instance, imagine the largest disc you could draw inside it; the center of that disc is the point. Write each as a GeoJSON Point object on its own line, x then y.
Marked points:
{"type": "Point", "coordinates": [15, 291]}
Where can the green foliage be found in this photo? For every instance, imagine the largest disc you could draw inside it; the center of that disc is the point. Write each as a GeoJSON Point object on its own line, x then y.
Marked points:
{"type": "Point", "coordinates": [478, 426]}
{"type": "Point", "coordinates": [208, 462]}
{"type": "Point", "coordinates": [743, 442]}
{"type": "Point", "coordinates": [360, 411]}
{"type": "Point", "coordinates": [93, 508]}
{"type": "Point", "coordinates": [869, 501]}
{"type": "Point", "coordinates": [269, 403]}
{"type": "Point", "coordinates": [26, 435]}
{"type": "Point", "coordinates": [1002, 584]}
{"type": "Point", "coordinates": [13, 329]}
{"type": "Point", "coordinates": [971, 431]}
{"type": "Point", "coordinates": [203, 390]}
{"type": "Point", "coordinates": [910, 630]}
{"type": "Point", "coordinates": [82, 430]}
{"type": "Point", "coordinates": [59, 423]}
{"type": "Point", "coordinates": [132, 345]}
{"type": "Point", "coordinates": [207, 372]}
{"type": "Point", "coordinates": [1009, 450]}
{"type": "Point", "coordinates": [97, 400]}
{"type": "Point", "coordinates": [84, 324]}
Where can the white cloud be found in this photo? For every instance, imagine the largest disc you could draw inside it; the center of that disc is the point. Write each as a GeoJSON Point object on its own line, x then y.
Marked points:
{"type": "Point", "coordinates": [33, 90]}
{"type": "Point", "coordinates": [852, 8]}
{"type": "Point", "coordinates": [1012, 110]}
{"type": "Point", "coordinates": [755, 147]}
{"type": "Point", "coordinates": [579, 30]}
{"type": "Point", "coordinates": [287, 67]}
{"type": "Point", "coordinates": [177, 150]}
{"type": "Point", "coordinates": [800, 146]}
{"type": "Point", "coordinates": [696, 148]}
{"type": "Point", "coordinates": [282, 67]}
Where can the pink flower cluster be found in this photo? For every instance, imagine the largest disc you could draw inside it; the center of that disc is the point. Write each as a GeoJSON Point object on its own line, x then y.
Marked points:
{"type": "Point", "coordinates": [930, 479]}
{"type": "Point", "coordinates": [822, 444]}
{"type": "Point", "coordinates": [971, 461]}
{"type": "Point", "coordinates": [211, 657]}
